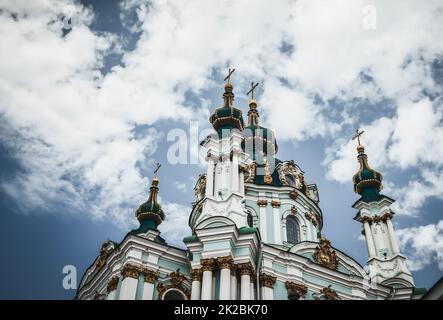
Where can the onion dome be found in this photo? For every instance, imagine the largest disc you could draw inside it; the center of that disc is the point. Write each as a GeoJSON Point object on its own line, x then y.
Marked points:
{"type": "Point", "coordinates": [150, 213]}
{"type": "Point", "coordinates": [258, 141]}
{"type": "Point", "coordinates": [367, 181]}
{"type": "Point", "coordinates": [227, 117]}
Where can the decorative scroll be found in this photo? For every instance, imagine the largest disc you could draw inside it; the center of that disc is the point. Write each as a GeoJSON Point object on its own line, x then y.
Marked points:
{"type": "Point", "coordinates": [325, 255]}
{"type": "Point", "coordinates": [297, 288]}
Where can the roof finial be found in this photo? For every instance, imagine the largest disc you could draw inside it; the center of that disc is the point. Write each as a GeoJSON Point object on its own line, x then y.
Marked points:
{"type": "Point", "coordinates": [228, 77]}
{"type": "Point", "coordinates": [357, 135]}
{"type": "Point", "coordinates": [155, 179]}
{"type": "Point", "coordinates": [251, 91]}
{"type": "Point", "coordinates": [252, 113]}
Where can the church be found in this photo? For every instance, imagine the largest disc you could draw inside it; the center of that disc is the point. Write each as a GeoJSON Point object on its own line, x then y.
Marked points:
{"type": "Point", "coordinates": [256, 231]}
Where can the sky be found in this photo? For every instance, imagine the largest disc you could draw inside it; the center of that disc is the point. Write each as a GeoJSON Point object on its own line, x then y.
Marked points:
{"type": "Point", "coordinates": [94, 93]}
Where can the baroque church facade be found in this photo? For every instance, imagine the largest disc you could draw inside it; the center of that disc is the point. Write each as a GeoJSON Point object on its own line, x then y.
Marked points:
{"type": "Point", "coordinates": [256, 232]}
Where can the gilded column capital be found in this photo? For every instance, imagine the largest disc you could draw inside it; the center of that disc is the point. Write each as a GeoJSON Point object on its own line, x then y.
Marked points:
{"type": "Point", "coordinates": [225, 262]}
{"type": "Point", "coordinates": [298, 288]}
{"type": "Point", "coordinates": [267, 280]}
{"type": "Point", "coordinates": [150, 276]}
{"type": "Point", "coordinates": [131, 271]}
{"type": "Point", "coordinates": [275, 203]}
{"type": "Point", "coordinates": [207, 264]}
{"type": "Point", "coordinates": [262, 203]}
{"type": "Point", "coordinates": [387, 216]}
{"type": "Point", "coordinates": [112, 284]}
{"type": "Point", "coordinates": [245, 269]}
{"type": "Point", "coordinates": [196, 274]}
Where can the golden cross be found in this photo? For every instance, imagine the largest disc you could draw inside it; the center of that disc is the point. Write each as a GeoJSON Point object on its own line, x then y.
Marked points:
{"type": "Point", "coordinates": [157, 168]}
{"type": "Point", "coordinates": [228, 77]}
{"type": "Point", "coordinates": [357, 135]}
{"type": "Point", "coordinates": [253, 86]}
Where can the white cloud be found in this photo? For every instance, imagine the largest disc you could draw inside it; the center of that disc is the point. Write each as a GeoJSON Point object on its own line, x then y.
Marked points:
{"type": "Point", "coordinates": [422, 245]}
{"type": "Point", "coordinates": [180, 185]}
{"type": "Point", "coordinates": [73, 128]}
{"type": "Point", "coordinates": [412, 196]}
{"type": "Point", "coordinates": [175, 227]}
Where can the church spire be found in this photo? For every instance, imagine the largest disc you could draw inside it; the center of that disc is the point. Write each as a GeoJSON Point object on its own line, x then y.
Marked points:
{"type": "Point", "coordinates": [253, 115]}
{"type": "Point", "coordinates": [227, 117]}
{"type": "Point", "coordinates": [150, 213]}
{"type": "Point", "coordinates": [367, 181]}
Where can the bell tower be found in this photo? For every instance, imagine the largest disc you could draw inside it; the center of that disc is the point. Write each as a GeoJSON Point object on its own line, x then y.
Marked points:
{"type": "Point", "coordinates": [224, 189]}
{"type": "Point", "coordinates": [386, 263]}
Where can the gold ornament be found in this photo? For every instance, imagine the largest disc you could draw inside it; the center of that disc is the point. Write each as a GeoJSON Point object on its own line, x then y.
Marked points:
{"type": "Point", "coordinates": [267, 280]}
{"type": "Point", "coordinates": [298, 288]}
{"type": "Point", "coordinates": [131, 271]}
{"type": "Point", "coordinates": [112, 284]}
{"type": "Point", "coordinates": [325, 255]}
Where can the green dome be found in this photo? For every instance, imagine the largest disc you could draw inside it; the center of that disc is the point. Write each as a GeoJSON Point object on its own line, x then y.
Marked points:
{"type": "Point", "coordinates": [260, 139]}
{"type": "Point", "coordinates": [367, 181]}
{"type": "Point", "coordinates": [227, 117]}
{"type": "Point", "coordinates": [150, 212]}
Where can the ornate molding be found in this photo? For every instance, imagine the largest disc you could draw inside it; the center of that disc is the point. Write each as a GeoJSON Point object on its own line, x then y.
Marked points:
{"type": "Point", "coordinates": [176, 282]}
{"type": "Point", "coordinates": [325, 255]}
{"type": "Point", "coordinates": [177, 279]}
{"type": "Point", "coordinates": [104, 253]}
{"type": "Point", "coordinates": [311, 217]}
{"type": "Point", "coordinates": [289, 168]}
{"type": "Point", "coordinates": [225, 262]}
{"type": "Point", "coordinates": [293, 195]}
{"type": "Point", "coordinates": [294, 210]}
{"type": "Point", "coordinates": [250, 169]}
{"type": "Point", "coordinates": [298, 288]}
{"type": "Point", "coordinates": [131, 271]}
{"type": "Point", "coordinates": [329, 294]}
{"type": "Point", "coordinates": [207, 264]}
{"type": "Point", "coordinates": [275, 203]}
{"type": "Point", "coordinates": [196, 274]}
{"type": "Point", "coordinates": [262, 203]}
{"type": "Point", "coordinates": [245, 269]}
{"type": "Point", "coordinates": [112, 284]}
{"type": "Point", "coordinates": [267, 280]}
{"type": "Point", "coordinates": [151, 276]}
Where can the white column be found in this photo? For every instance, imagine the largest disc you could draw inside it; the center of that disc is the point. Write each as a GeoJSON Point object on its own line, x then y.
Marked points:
{"type": "Point", "coordinates": [369, 240]}
{"type": "Point", "coordinates": [233, 285]}
{"type": "Point", "coordinates": [277, 224]}
{"type": "Point", "coordinates": [235, 172]}
{"type": "Point", "coordinates": [268, 293]}
{"type": "Point", "coordinates": [376, 238]}
{"type": "Point", "coordinates": [262, 217]}
{"type": "Point", "coordinates": [225, 284]}
{"type": "Point", "coordinates": [245, 270]}
{"type": "Point", "coordinates": [245, 290]}
{"type": "Point", "coordinates": [207, 267]}
{"type": "Point", "coordinates": [196, 276]}
{"type": "Point", "coordinates": [242, 183]}
{"type": "Point", "coordinates": [148, 290]}
{"type": "Point", "coordinates": [148, 284]}
{"type": "Point", "coordinates": [111, 295]}
{"type": "Point", "coordinates": [252, 294]}
{"type": "Point", "coordinates": [210, 177]}
{"type": "Point", "coordinates": [128, 288]}
{"type": "Point", "coordinates": [267, 283]}
{"type": "Point", "coordinates": [392, 237]}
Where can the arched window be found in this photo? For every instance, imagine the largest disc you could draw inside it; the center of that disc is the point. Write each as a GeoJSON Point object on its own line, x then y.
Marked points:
{"type": "Point", "coordinates": [292, 230]}
{"type": "Point", "coordinates": [174, 294]}
{"type": "Point", "coordinates": [250, 220]}
{"type": "Point", "coordinates": [290, 179]}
